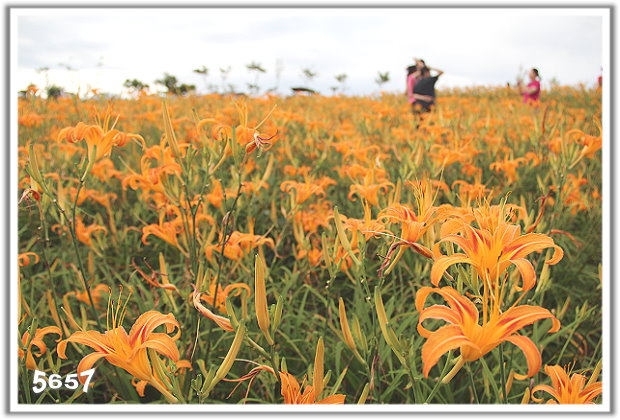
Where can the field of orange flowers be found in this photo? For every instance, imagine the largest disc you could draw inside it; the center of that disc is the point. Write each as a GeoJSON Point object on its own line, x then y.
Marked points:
{"type": "Point", "coordinates": [310, 250]}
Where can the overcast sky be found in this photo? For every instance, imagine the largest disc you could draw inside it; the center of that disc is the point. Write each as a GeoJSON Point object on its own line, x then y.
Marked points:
{"type": "Point", "coordinates": [472, 46]}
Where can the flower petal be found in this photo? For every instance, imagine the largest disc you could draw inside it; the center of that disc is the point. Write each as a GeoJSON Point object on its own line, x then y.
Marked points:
{"type": "Point", "coordinates": [441, 341]}
{"type": "Point", "coordinates": [531, 352]}
{"type": "Point", "coordinates": [518, 317]}
{"type": "Point", "coordinates": [441, 265]}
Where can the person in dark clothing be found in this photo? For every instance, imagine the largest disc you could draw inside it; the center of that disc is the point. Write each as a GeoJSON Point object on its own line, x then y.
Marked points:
{"type": "Point", "coordinates": [424, 90]}
{"type": "Point", "coordinates": [413, 75]}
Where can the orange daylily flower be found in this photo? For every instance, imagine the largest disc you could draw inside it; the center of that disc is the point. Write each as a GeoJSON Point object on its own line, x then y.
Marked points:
{"type": "Point", "coordinates": [37, 340]}
{"type": "Point", "coordinates": [368, 190]}
{"type": "Point", "coordinates": [314, 255]}
{"type": "Point", "coordinates": [291, 391]}
{"type": "Point", "coordinates": [473, 339]}
{"type": "Point", "coordinates": [303, 191]}
{"type": "Point", "coordinates": [591, 144]}
{"type": "Point", "coordinates": [413, 226]}
{"type": "Point", "coordinates": [168, 231]}
{"type": "Point", "coordinates": [315, 215]}
{"type": "Point", "coordinates": [130, 351]}
{"type": "Point", "coordinates": [491, 253]}
{"type": "Point", "coordinates": [96, 292]}
{"type": "Point", "coordinates": [100, 135]}
{"type": "Point", "coordinates": [238, 245]}
{"type": "Point", "coordinates": [508, 167]}
{"type": "Point", "coordinates": [260, 143]}
{"type": "Point", "coordinates": [104, 170]}
{"type": "Point", "coordinates": [234, 289]}
{"type": "Point", "coordinates": [26, 259]}
{"type": "Point", "coordinates": [84, 233]}
{"type": "Point", "coordinates": [565, 390]}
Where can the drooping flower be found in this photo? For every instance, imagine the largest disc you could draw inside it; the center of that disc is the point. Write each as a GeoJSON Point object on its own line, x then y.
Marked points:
{"type": "Point", "coordinates": [37, 341]}
{"type": "Point", "coordinates": [223, 322]}
{"type": "Point", "coordinates": [27, 258]}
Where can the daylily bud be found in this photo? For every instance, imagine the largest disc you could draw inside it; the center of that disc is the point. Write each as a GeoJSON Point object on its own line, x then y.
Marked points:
{"type": "Point", "coordinates": [231, 355]}
{"type": "Point", "coordinates": [359, 335]}
{"type": "Point", "coordinates": [526, 396]}
{"type": "Point", "coordinates": [34, 170]}
{"type": "Point", "coordinates": [344, 326]}
{"type": "Point", "coordinates": [317, 377]}
{"type": "Point", "coordinates": [260, 298]}
{"type": "Point", "coordinates": [231, 313]}
{"type": "Point", "coordinates": [364, 395]}
{"type": "Point", "coordinates": [564, 308]}
{"type": "Point", "coordinates": [343, 237]}
{"type": "Point", "coordinates": [387, 332]}
{"type": "Point", "coordinates": [325, 251]}
{"type": "Point", "coordinates": [277, 315]}
{"type": "Point", "coordinates": [226, 365]}
{"type": "Point", "coordinates": [457, 367]}
{"type": "Point", "coordinates": [346, 331]}
{"type": "Point", "coordinates": [170, 137]}
{"type": "Point", "coordinates": [595, 373]}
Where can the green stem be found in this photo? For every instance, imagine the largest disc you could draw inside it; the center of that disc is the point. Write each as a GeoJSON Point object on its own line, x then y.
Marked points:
{"type": "Point", "coordinates": [77, 251]}
{"type": "Point", "coordinates": [443, 374]}
{"type": "Point", "coordinates": [502, 374]}
{"type": "Point", "coordinates": [473, 385]}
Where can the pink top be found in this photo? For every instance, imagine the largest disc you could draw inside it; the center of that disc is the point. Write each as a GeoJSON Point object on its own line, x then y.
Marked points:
{"type": "Point", "coordinates": [532, 97]}
{"type": "Point", "coordinates": [410, 84]}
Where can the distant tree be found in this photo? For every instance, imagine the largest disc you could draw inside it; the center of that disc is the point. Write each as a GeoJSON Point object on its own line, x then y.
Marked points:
{"type": "Point", "coordinates": [252, 88]}
{"type": "Point", "coordinates": [382, 79]}
{"type": "Point", "coordinates": [185, 89]}
{"type": "Point", "coordinates": [204, 72]}
{"type": "Point", "coordinates": [257, 69]}
{"type": "Point", "coordinates": [135, 85]}
{"type": "Point", "coordinates": [308, 75]}
{"type": "Point", "coordinates": [171, 84]}
{"type": "Point", "coordinates": [54, 92]}
{"type": "Point", "coordinates": [231, 88]}
{"type": "Point", "coordinates": [342, 79]}
{"type": "Point", "coordinates": [304, 91]}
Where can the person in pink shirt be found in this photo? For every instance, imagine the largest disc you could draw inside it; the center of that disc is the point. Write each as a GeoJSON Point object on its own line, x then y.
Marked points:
{"type": "Point", "coordinates": [414, 73]}
{"type": "Point", "coordinates": [531, 92]}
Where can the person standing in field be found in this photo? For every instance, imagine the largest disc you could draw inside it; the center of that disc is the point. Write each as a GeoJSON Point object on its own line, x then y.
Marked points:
{"type": "Point", "coordinates": [424, 90]}
{"type": "Point", "coordinates": [413, 75]}
{"type": "Point", "coordinates": [531, 92]}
